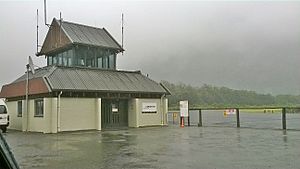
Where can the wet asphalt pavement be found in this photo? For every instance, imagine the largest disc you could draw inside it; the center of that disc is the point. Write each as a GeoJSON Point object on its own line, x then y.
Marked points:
{"type": "Point", "coordinates": [159, 148]}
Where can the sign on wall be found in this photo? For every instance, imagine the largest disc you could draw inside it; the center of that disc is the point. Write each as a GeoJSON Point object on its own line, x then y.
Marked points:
{"type": "Point", "coordinates": [114, 108]}
{"type": "Point", "coordinates": [149, 107]}
{"type": "Point", "coordinates": [184, 108]}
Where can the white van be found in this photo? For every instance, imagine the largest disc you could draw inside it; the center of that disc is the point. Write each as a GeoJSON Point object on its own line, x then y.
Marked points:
{"type": "Point", "coordinates": [4, 117]}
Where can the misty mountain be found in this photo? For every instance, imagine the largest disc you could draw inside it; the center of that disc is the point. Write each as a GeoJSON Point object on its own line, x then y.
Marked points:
{"type": "Point", "coordinates": [212, 96]}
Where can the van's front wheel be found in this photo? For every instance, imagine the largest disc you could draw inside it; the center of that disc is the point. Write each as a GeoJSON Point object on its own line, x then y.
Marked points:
{"type": "Point", "coordinates": [3, 128]}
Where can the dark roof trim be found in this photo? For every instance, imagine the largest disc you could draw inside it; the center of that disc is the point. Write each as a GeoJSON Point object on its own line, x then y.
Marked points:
{"type": "Point", "coordinates": [57, 50]}
{"type": "Point", "coordinates": [94, 68]}
{"type": "Point", "coordinates": [114, 39]}
{"type": "Point", "coordinates": [105, 47]}
{"type": "Point", "coordinates": [107, 91]}
{"type": "Point", "coordinates": [168, 91]}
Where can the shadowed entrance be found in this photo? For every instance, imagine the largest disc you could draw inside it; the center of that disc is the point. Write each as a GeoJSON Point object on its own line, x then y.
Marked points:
{"type": "Point", "coordinates": [114, 113]}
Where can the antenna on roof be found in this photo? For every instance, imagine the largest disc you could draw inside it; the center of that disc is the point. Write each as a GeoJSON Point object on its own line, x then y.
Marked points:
{"type": "Point", "coordinates": [37, 31]}
{"type": "Point", "coordinates": [45, 13]}
{"type": "Point", "coordinates": [60, 22]}
{"type": "Point", "coordinates": [122, 31]}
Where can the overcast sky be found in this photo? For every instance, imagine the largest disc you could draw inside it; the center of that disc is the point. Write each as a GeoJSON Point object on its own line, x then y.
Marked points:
{"type": "Point", "coordinates": [240, 45]}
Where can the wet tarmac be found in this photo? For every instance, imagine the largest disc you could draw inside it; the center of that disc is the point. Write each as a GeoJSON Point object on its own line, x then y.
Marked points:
{"type": "Point", "coordinates": [159, 148]}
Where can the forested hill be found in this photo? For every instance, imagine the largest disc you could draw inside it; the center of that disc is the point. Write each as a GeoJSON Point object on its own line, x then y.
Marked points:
{"type": "Point", "coordinates": [208, 95]}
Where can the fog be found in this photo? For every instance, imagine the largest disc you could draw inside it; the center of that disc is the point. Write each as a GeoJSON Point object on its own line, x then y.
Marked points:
{"type": "Point", "coordinates": [240, 45]}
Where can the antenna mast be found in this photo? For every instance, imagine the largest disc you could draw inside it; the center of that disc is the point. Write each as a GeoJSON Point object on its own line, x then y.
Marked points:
{"type": "Point", "coordinates": [37, 31]}
{"type": "Point", "coordinates": [60, 22]}
{"type": "Point", "coordinates": [45, 13]}
{"type": "Point", "coordinates": [122, 31]}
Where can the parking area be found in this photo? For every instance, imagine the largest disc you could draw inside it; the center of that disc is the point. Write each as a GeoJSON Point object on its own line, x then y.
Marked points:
{"type": "Point", "coordinates": [158, 147]}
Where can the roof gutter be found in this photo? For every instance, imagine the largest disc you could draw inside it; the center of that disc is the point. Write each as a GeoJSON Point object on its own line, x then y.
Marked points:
{"type": "Point", "coordinates": [114, 39]}
{"type": "Point", "coordinates": [166, 89]}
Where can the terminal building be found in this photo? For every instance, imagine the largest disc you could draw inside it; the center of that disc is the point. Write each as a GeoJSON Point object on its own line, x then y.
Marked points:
{"type": "Point", "coordinates": [81, 88]}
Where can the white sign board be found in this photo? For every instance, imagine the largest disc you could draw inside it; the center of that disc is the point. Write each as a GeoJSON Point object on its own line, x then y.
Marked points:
{"type": "Point", "coordinates": [114, 108]}
{"type": "Point", "coordinates": [149, 107]}
{"type": "Point", "coordinates": [184, 108]}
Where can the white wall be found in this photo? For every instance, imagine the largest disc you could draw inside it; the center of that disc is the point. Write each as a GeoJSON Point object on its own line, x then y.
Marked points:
{"type": "Point", "coordinates": [82, 114]}
{"type": "Point", "coordinates": [132, 113]}
{"type": "Point", "coordinates": [165, 107]}
{"type": "Point", "coordinates": [15, 122]}
{"type": "Point", "coordinates": [34, 123]}
{"type": "Point", "coordinates": [77, 114]}
{"type": "Point", "coordinates": [37, 124]}
{"type": "Point", "coordinates": [138, 119]}
{"type": "Point", "coordinates": [98, 114]}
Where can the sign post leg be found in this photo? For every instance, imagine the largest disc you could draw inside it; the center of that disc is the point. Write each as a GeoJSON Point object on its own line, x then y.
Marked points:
{"type": "Point", "coordinates": [200, 119]}
{"type": "Point", "coordinates": [181, 121]}
{"type": "Point", "coordinates": [237, 118]}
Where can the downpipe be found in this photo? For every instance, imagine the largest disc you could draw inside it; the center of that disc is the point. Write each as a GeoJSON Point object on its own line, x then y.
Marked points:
{"type": "Point", "coordinates": [58, 112]}
{"type": "Point", "coordinates": [162, 109]}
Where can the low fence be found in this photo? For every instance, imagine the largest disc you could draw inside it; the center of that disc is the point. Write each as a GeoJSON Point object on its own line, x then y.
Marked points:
{"type": "Point", "coordinates": [269, 116]}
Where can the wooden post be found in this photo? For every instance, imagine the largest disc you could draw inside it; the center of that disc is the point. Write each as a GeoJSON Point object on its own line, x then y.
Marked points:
{"type": "Point", "coordinates": [200, 119]}
{"type": "Point", "coordinates": [180, 121]}
{"type": "Point", "coordinates": [237, 118]}
{"type": "Point", "coordinates": [283, 118]}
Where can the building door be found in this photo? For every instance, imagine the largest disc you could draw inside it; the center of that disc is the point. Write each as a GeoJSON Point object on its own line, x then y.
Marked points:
{"type": "Point", "coordinates": [114, 113]}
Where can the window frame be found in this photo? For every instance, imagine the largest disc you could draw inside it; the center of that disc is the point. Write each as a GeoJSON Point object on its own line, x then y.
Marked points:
{"type": "Point", "coordinates": [49, 60]}
{"type": "Point", "coordinates": [54, 60]}
{"type": "Point", "coordinates": [36, 108]}
{"type": "Point", "coordinates": [60, 59]}
{"type": "Point", "coordinates": [99, 62]}
{"type": "Point", "coordinates": [65, 58]}
{"type": "Point", "coordinates": [4, 108]}
{"type": "Point", "coordinates": [111, 61]}
{"type": "Point", "coordinates": [19, 109]}
{"type": "Point", "coordinates": [105, 62]}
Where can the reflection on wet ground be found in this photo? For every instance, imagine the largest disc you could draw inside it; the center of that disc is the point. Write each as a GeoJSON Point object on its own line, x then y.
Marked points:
{"type": "Point", "coordinates": [168, 147]}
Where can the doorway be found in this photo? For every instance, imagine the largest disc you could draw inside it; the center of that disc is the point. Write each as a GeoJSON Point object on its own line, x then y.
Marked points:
{"type": "Point", "coordinates": [114, 113]}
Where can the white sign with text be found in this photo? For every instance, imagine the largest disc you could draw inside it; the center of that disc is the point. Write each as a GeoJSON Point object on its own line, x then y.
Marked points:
{"type": "Point", "coordinates": [149, 107]}
{"type": "Point", "coordinates": [184, 108]}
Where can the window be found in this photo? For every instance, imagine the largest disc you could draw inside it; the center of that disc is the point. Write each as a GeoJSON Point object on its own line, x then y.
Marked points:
{"type": "Point", "coordinates": [3, 109]}
{"type": "Point", "coordinates": [19, 108]}
{"type": "Point", "coordinates": [65, 61]}
{"type": "Point", "coordinates": [81, 62]}
{"type": "Point", "coordinates": [39, 108]}
{"type": "Point", "coordinates": [99, 62]}
{"type": "Point", "coordinates": [112, 61]}
{"type": "Point", "coordinates": [89, 62]}
{"type": "Point", "coordinates": [54, 60]}
{"type": "Point", "coordinates": [105, 62]}
{"type": "Point", "coordinates": [69, 61]}
{"type": "Point", "coordinates": [49, 60]}
{"type": "Point", "coordinates": [60, 59]}
{"type": "Point", "coordinates": [70, 53]}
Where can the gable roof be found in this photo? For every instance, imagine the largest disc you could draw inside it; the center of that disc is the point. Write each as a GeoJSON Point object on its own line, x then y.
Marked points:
{"type": "Point", "coordinates": [59, 78]}
{"type": "Point", "coordinates": [63, 34]}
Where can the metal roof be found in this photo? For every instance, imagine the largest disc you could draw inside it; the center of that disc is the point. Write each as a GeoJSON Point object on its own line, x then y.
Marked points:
{"type": "Point", "coordinates": [41, 72]}
{"type": "Point", "coordinates": [61, 78]}
{"type": "Point", "coordinates": [88, 35]}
